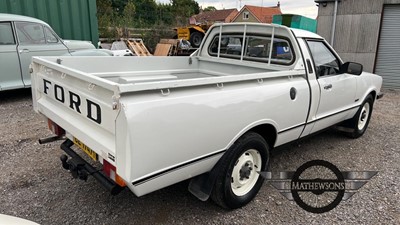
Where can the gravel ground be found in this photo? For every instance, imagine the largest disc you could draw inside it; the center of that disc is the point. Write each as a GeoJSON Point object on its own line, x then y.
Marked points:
{"type": "Point", "coordinates": [34, 186]}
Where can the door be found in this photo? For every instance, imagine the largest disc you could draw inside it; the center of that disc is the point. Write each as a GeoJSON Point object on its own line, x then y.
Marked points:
{"type": "Point", "coordinates": [10, 73]}
{"type": "Point", "coordinates": [388, 60]}
{"type": "Point", "coordinates": [337, 90]}
{"type": "Point", "coordinates": [36, 40]}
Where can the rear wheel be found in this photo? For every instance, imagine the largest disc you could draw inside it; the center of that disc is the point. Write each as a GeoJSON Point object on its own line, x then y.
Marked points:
{"type": "Point", "coordinates": [195, 39]}
{"type": "Point", "coordinates": [239, 181]}
{"type": "Point", "coordinates": [360, 121]}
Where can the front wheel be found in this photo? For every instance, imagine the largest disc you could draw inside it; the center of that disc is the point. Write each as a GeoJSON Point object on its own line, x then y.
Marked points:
{"type": "Point", "coordinates": [239, 181]}
{"type": "Point", "coordinates": [360, 121]}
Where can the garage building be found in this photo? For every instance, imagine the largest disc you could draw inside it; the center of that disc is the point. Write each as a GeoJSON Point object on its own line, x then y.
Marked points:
{"type": "Point", "coordinates": [364, 31]}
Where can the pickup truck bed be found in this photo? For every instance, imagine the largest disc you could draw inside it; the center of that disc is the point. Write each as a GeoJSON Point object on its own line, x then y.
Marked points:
{"type": "Point", "coordinates": [127, 74]}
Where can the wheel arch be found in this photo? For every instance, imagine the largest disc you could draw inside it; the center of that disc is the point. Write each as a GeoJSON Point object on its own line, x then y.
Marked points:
{"type": "Point", "coordinates": [267, 131]}
{"type": "Point", "coordinates": [202, 185]}
{"type": "Point", "coordinates": [373, 93]}
{"type": "Point", "coordinates": [265, 128]}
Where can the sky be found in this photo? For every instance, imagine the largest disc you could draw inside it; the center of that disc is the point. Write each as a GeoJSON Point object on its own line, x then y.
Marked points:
{"type": "Point", "coordinates": [301, 7]}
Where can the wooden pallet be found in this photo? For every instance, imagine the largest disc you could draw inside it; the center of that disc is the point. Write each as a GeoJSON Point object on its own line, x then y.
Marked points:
{"type": "Point", "coordinates": [137, 46]}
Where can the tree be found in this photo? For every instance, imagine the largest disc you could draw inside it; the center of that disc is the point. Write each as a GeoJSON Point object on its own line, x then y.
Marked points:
{"type": "Point", "coordinates": [119, 5]}
{"type": "Point", "coordinates": [146, 12]}
{"type": "Point", "coordinates": [128, 14]}
{"type": "Point", "coordinates": [127, 19]}
{"type": "Point", "coordinates": [210, 8]}
{"type": "Point", "coordinates": [105, 17]}
{"type": "Point", "coordinates": [184, 9]}
{"type": "Point", "coordinates": [165, 14]}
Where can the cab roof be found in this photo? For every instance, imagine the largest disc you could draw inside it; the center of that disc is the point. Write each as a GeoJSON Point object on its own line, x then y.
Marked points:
{"type": "Point", "coordinates": [305, 34]}
{"type": "Point", "coordinates": [13, 17]}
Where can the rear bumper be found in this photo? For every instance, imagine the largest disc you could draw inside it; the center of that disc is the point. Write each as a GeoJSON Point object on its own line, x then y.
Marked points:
{"type": "Point", "coordinates": [380, 95]}
{"type": "Point", "coordinates": [79, 168]}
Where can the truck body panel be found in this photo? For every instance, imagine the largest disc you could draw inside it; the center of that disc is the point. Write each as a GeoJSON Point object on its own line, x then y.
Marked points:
{"type": "Point", "coordinates": [196, 92]}
{"type": "Point", "coordinates": [161, 120]}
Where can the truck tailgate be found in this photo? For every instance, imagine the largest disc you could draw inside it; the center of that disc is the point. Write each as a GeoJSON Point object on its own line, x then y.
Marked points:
{"type": "Point", "coordinates": [81, 104]}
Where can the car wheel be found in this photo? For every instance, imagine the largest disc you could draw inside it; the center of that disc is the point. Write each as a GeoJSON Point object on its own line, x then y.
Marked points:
{"type": "Point", "coordinates": [239, 181]}
{"type": "Point", "coordinates": [360, 121]}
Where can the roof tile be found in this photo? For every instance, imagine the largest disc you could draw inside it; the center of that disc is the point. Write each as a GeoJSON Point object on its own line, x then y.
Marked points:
{"type": "Point", "coordinates": [214, 16]}
{"type": "Point", "coordinates": [263, 14]}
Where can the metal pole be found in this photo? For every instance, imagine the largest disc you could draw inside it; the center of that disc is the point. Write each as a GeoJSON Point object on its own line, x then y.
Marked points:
{"type": "Point", "coordinates": [334, 23]}
{"type": "Point", "coordinates": [272, 45]}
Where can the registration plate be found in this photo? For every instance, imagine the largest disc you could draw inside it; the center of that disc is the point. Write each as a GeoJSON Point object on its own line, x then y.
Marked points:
{"type": "Point", "coordinates": [92, 154]}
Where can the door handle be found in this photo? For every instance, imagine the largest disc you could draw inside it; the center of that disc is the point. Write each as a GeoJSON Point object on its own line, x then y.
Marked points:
{"type": "Point", "coordinates": [24, 50]}
{"type": "Point", "coordinates": [293, 93]}
{"type": "Point", "coordinates": [328, 86]}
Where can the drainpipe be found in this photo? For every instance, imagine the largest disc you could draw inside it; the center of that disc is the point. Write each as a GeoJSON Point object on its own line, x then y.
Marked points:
{"type": "Point", "coordinates": [334, 23]}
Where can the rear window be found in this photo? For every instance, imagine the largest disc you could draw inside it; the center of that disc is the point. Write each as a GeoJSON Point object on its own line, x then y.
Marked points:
{"type": "Point", "coordinates": [254, 48]}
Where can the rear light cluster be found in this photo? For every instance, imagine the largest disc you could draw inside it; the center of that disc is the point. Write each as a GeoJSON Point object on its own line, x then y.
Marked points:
{"type": "Point", "coordinates": [111, 172]}
{"type": "Point", "coordinates": [57, 130]}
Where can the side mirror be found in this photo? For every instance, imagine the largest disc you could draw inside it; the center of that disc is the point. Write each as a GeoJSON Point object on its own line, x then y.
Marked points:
{"type": "Point", "coordinates": [352, 68]}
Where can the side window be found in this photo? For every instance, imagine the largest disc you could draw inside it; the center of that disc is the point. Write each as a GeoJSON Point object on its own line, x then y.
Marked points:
{"type": "Point", "coordinates": [30, 33]}
{"type": "Point", "coordinates": [231, 46]}
{"type": "Point", "coordinates": [50, 37]}
{"type": "Point", "coordinates": [6, 34]}
{"type": "Point", "coordinates": [325, 61]}
{"type": "Point", "coordinates": [257, 48]}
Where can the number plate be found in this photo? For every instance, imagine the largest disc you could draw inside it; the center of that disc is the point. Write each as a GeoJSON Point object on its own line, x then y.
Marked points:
{"type": "Point", "coordinates": [92, 154]}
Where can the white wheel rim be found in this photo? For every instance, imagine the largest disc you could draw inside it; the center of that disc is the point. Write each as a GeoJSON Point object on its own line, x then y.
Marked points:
{"type": "Point", "coordinates": [363, 118]}
{"type": "Point", "coordinates": [245, 172]}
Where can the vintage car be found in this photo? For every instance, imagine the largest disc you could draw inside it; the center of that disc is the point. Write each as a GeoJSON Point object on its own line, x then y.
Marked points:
{"type": "Point", "coordinates": [22, 37]}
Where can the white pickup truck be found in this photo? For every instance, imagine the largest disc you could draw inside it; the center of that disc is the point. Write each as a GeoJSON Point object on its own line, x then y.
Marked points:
{"type": "Point", "coordinates": [212, 117]}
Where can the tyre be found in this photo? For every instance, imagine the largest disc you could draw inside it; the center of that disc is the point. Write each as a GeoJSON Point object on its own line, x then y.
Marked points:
{"type": "Point", "coordinates": [360, 121]}
{"type": "Point", "coordinates": [239, 181]}
{"type": "Point", "coordinates": [195, 39]}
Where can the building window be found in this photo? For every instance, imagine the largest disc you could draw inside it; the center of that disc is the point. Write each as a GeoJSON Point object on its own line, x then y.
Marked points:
{"type": "Point", "coordinates": [245, 15]}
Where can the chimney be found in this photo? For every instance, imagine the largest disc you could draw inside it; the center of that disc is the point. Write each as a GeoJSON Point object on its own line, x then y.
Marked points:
{"type": "Point", "coordinates": [279, 4]}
